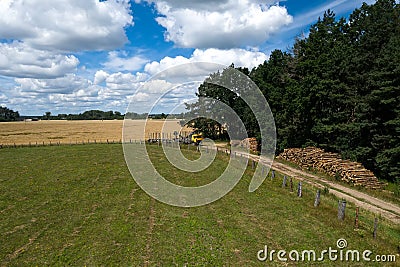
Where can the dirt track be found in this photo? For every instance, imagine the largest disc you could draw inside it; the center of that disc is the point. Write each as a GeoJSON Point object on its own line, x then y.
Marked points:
{"type": "Point", "coordinates": [388, 210]}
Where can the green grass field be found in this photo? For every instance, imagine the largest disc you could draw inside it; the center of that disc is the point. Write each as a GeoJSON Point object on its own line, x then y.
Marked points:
{"type": "Point", "coordinates": [78, 205]}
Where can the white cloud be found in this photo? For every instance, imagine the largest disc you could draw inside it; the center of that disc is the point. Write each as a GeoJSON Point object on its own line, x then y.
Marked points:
{"type": "Point", "coordinates": [3, 97]}
{"type": "Point", "coordinates": [126, 82]}
{"type": "Point", "coordinates": [20, 60]}
{"type": "Point", "coordinates": [239, 57]}
{"type": "Point", "coordinates": [118, 62]}
{"type": "Point", "coordinates": [140, 97]}
{"type": "Point", "coordinates": [67, 25]}
{"type": "Point", "coordinates": [226, 24]}
{"type": "Point", "coordinates": [63, 85]}
{"type": "Point", "coordinates": [165, 63]}
{"type": "Point", "coordinates": [100, 76]}
{"type": "Point", "coordinates": [113, 90]}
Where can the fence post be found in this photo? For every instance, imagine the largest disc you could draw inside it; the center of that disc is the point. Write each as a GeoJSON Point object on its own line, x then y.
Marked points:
{"type": "Point", "coordinates": [375, 227]}
{"type": "Point", "coordinates": [299, 190]}
{"type": "Point", "coordinates": [341, 209]}
{"type": "Point", "coordinates": [291, 184]}
{"type": "Point", "coordinates": [253, 164]}
{"type": "Point", "coordinates": [284, 181]}
{"type": "Point", "coordinates": [272, 174]}
{"type": "Point", "coordinates": [317, 198]}
{"type": "Point", "coordinates": [356, 220]}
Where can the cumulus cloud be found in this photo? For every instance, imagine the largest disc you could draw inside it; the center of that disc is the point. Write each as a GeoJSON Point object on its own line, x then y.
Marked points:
{"type": "Point", "coordinates": [114, 90]}
{"type": "Point", "coordinates": [239, 57]}
{"type": "Point", "coordinates": [3, 97]}
{"type": "Point", "coordinates": [100, 76]}
{"type": "Point", "coordinates": [125, 81]}
{"type": "Point", "coordinates": [67, 25]}
{"type": "Point", "coordinates": [220, 24]}
{"type": "Point", "coordinates": [63, 85]}
{"type": "Point", "coordinates": [19, 60]}
{"type": "Point", "coordinates": [121, 62]}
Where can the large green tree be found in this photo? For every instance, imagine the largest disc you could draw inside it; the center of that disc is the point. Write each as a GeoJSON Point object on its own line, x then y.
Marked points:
{"type": "Point", "coordinates": [7, 114]}
{"type": "Point", "coordinates": [338, 88]}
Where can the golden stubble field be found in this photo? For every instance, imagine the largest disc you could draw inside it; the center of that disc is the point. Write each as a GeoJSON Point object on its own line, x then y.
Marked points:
{"type": "Point", "coordinates": [81, 131]}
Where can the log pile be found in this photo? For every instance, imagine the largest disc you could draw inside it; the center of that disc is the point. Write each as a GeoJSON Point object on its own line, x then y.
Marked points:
{"type": "Point", "coordinates": [332, 164]}
{"type": "Point", "coordinates": [250, 143]}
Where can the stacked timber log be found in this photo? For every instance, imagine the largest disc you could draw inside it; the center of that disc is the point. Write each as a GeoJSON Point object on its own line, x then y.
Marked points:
{"type": "Point", "coordinates": [250, 143]}
{"type": "Point", "coordinates": [332, 164]}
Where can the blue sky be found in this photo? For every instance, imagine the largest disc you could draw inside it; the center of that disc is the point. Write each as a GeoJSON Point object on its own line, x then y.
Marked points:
{"type": "Point", "coordinates": [68, 56]}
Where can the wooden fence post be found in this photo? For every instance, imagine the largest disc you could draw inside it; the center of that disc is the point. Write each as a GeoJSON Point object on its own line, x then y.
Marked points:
{"type": "Point", "coordinates": [272, 174]}
{"type": "Point", "coordinates": [375, 227]}
{"type": "Point", "coordinates": [317, 198]}
{"type": "Point", "coordinates": [253, 164]}
{"type": "Point", "coordinates": [284, 181]}
{"type": "Point", "coordinates": [291, 184]}
{"type": "Point", "coordinates": [341, 209]}
{"type": "Point", "coordinates": [356, 220]}
{"type": "Point", "coordinates": [299, 190]}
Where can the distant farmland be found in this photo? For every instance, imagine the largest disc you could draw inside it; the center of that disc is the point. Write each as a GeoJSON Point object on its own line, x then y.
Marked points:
{"type": "Point", "coordinates": [75, 131]}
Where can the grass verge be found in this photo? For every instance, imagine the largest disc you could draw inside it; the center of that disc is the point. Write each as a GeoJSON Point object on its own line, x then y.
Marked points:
{"type": "Point", "coordinates": [78, 205]}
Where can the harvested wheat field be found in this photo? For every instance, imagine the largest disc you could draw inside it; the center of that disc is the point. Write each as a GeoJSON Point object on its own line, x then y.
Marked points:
{"type": "Point", "coordinates": [66, 132]}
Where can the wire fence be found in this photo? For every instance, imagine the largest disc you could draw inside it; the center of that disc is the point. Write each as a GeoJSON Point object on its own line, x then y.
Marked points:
{"type": "Point", "coordinates": [292, 183]}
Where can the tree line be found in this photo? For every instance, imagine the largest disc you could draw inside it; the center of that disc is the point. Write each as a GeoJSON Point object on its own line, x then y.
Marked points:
{"type": "Point", "coordinates": [87, 115]}
{"type": "Point", "coordinates": [338, 89]}
{"type": "Point", "coordinates": [7, 114]}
